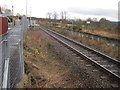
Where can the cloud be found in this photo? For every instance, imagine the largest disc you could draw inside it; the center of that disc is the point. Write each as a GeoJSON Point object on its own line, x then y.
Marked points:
{"type": "Point", "coordinates": [113, 13]}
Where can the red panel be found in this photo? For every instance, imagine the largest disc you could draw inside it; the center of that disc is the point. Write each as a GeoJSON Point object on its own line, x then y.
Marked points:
{"type": "Point", "coordinates": [0, 25]}
{"type": "Point", "coordinates": [3, 25]}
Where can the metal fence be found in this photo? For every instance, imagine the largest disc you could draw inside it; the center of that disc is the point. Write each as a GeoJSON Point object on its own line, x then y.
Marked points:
{"type": "Point", "coordinates": [11, 55]}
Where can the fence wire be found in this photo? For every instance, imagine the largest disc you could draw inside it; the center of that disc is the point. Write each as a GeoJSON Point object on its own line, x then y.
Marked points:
{"type": "Point", "coordinates": [11, 55]}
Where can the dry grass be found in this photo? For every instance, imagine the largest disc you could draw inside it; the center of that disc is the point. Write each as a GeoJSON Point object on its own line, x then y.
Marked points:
{"type": "Point", "coordinates": [46, 68]}
{"type": "Point", "coordinates": [103, 47]}
{"type": "Point", "coordinates": [101, 32]}
{"type": "Point", "coordinates": [42, 68]}
{"type": "Point", "coordinates": [106, 33]}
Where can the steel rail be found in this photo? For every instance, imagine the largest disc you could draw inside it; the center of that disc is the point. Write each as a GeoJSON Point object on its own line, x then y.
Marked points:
{"type": "Point", "coordinates": [91, 49]}
{"type": "Point", "coordinates": [117, 77]}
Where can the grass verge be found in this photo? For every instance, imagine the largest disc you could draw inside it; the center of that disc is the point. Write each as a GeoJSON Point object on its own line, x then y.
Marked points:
{"type": "Point", "coordinates": [42, 67]}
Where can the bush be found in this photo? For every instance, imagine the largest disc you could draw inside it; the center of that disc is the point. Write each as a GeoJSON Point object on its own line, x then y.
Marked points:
{"type": "Point", "coordinates": [55, 24]}
{"type": "Point", "coordinates": [50, 45]}
{"type": "Point", "coordinates": [10, 19]}
{"type": "Point", "coordinates": [63, 32]}
{"type": "Point", "coordinates": [77, 28]}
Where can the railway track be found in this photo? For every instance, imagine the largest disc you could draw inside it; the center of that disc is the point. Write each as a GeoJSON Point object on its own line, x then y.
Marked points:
{"type": "Point", "coordinates": [106, 63]}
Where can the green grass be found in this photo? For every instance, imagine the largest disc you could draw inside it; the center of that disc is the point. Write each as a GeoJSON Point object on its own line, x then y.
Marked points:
{"type": "Point", "coordinates": [63, 32]}
{"type": "Point", "coordinates": [50, 45]}
{"type": "Point", "coordinates": [101, 46]}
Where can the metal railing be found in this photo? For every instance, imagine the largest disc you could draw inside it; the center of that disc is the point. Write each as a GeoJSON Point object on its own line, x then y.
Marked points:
{"type": "Point", "coordinates": [11, 55]}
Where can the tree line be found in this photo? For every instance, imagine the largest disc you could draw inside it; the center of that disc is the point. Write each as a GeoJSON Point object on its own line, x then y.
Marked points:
{"type": "Point", "coordinates": [78, 24]}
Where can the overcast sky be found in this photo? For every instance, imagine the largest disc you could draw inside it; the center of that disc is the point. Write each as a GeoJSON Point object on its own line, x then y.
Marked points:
{"type": "Point", "coordinates": [75, 8]}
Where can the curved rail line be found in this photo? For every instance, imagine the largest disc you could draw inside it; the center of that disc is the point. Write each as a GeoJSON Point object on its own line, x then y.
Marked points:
{"type": "Point", "coordinates": [108, 64]}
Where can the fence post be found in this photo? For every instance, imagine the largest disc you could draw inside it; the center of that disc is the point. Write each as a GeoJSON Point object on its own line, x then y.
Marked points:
{"type": "Point", "coordinates": [24, 26]}
{"type": "Point", "coordinates": [1, 63]}
{"type": "Point", "coordinates": [6, 65]}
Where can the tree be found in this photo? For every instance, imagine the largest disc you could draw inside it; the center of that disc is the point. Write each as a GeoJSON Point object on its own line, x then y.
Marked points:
{"type": "Point", "coordinates": [105, 24]}
{"type": "Point", "coordinates": [63, 15]}
{"type": "Point", "coordinates": [8, 11]}
{"type": "Point", "coordinates": [4, 7]}
{"type": "Point", "coordinates": [0, 10]}
{"type": "Point", "coordinates": [49, 15]}
{"type": "Point", "coordinates": [55, 15]}
{"type": "Point", "coordinates": [94, 19]}
{"type": "Point", "coordinates": [18, 14]}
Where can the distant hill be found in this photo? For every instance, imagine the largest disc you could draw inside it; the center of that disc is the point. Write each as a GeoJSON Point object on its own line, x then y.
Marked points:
{"type": "Point", "coordinates": [115, 21]}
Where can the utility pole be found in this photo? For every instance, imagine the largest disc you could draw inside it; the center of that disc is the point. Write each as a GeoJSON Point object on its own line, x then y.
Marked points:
{"type": "Point", "coordinates": [72, 25]}
{"type": "Point", "coordinates": [12, 15]}
{"type": "Point", "coordinates": [30, 16]}
{"type": "Point", "coordinates": [26, 7]}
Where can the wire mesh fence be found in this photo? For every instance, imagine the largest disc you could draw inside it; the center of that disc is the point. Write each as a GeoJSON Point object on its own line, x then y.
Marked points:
{"type": "Point", "coordinates": [2, 61]}
{"type": "Point", "coordinates": [11, 55]}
